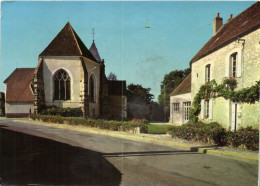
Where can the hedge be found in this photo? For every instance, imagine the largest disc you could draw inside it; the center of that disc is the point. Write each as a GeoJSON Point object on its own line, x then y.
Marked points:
{"type": "Point", "coordinates": [214, 133]}
{"type": "Point", "coordinates": [65, 112]}
{"type": "Point", "coordinates": [99, 123]}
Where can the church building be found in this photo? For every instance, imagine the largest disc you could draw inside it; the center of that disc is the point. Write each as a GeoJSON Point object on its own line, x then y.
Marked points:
{"type": "Point", "coordinates": [67, 75]}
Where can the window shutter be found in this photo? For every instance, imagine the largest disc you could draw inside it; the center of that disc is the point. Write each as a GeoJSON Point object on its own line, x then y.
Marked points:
{"type": "Point", "coordinates": [227, 66]}
{"type": "Point", "coordinates": [202, 109]}
{"type": "Point", "coordinates": [239, 64]}
{"type": "Point", "coordinates": [210, 109]}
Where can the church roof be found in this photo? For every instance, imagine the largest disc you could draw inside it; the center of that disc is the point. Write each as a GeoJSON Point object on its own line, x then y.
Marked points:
{"type": "Point", "coordinates": [242, 24]}
{"type": "Point", "coordinates": [94, 51]}
{"type": "Point", "coordinates": [18, 86]}
{"type": "Point", "coordinates": [184, 87]}
{"type": "Point", "coordinates": [67, 43]}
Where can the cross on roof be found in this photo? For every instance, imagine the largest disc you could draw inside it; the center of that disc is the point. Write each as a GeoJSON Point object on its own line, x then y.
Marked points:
{"type": "Point", "coordinates": [93, 33]}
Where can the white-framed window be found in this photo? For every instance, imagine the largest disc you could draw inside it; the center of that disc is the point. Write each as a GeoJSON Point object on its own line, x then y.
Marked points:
{"type": "Point", "coordinates": [61, 85]}
{"type": "Point", "coordinates": [206, 109]}
{"type": "Point", "coordinates": [176, 106]}
{"type": "Point", "coordinates": [233, 64]}
{"type": "Point", "coordinates": [186, 110]}
{"type": "Point", "coordinates": [207, 73]}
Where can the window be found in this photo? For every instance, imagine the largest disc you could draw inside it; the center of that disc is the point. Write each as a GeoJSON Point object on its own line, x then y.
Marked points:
{"type": "Point", "coordinates": [92, 89]}
{"type": "Point", "coordinates": [176, 106]}
{"type": "Point", "coordinates": [61, 85]}
{"type": "Point", "coordinates": [207, 73]}
{"type": "Point", "coordinates": [234, 65]}
{"type": "Point", "coordinates": [206, 109]}
{"type": "Point", "coordinates": [186, 106]}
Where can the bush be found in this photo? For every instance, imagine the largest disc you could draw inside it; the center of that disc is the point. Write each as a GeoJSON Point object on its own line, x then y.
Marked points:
{"type": "Point", "coordinates": [214, 133]}
{"type": "Point", "coordinates": [198, 131]}
{"type": "Point", "coordinates": [102, 124]}
{"type": "Point", "coordinates": [65, 112]}
{"type": "Point", "coordinates": [246, 137]}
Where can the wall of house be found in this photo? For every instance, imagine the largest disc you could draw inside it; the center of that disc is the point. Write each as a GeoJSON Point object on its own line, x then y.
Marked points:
{"type": "Point", "coordinates": [115, 107]}
{"type": "Point", "coordinates": [249, 67]}
{"type": "Point", "coordinates": [176, 117]}
{"type": "Point", "coordinates": [18, 109]}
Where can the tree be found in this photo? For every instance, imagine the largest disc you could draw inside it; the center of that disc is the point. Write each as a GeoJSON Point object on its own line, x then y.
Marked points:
{"type": "Point", "coordinates": [169, 83]}
{"type": "Point", "coordinates": [112, 76]}
{"type": "Point", "coordinates": [138, 101]}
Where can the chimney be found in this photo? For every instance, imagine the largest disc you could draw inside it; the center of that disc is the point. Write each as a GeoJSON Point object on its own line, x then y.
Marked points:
{"type": "Point", "coordinates": [230, 17]}
{"type": "Point", "coordinates": [217, 23]}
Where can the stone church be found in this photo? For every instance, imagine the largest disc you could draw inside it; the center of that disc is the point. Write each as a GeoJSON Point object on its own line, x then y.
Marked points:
{"type": "Point", "coordinates": [67, 75]}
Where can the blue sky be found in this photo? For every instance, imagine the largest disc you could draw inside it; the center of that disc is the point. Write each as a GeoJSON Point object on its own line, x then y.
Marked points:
{"type": "Point", "coordinates": [134, 53]}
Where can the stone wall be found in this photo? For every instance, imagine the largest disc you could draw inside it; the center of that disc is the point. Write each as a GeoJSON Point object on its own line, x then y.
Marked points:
{"type": "Point", "coordinates": [18, 109]}
{"type": "Point", "coordinates": [248, 72]}
{"type": "Point", "coordinates": [176, 117]}
{"type": "Point", "coordinates": [115, 107]}
{"type": "Point", "coordinates": [38, 87]}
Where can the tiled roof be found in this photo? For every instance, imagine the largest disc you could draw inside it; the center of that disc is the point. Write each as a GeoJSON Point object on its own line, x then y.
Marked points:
{"type": "Point", "coordinates": [94, 51]}
{"type": "Point", "coordinates": [184, 87]}
{"type": "Point", "coordinates": [116, 88]}
{"type": "Point", "coordinates": [67, 43]}
{"type": "Point", "coordinates": [242, 24]}
{"type": "Point", "coordinates": [18, 86]}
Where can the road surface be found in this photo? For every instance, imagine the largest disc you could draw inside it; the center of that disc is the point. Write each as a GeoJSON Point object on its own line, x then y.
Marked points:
{"type": "Point", "coordinates": [47, 155]}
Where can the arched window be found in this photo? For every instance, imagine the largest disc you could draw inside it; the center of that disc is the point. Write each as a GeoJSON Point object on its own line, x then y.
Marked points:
{"type": "Point", "coordinates": [61, 85]}
{"type": "Point", "coordinates": [92, 89]}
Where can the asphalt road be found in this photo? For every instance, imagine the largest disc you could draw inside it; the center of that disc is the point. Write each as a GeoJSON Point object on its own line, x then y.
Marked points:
{"type": "Point", "coordinates": [46, 155]}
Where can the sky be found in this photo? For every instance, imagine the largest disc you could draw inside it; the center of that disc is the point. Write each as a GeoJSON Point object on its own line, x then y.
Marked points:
{"type": "Point", "coordinates": [134, 53]}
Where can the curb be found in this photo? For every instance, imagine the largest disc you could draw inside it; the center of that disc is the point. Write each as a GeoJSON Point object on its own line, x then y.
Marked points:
{"type": "Point", "coordinates": [208, 151]}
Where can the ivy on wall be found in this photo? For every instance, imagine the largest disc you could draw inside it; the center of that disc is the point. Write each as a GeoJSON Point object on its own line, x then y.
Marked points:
{"type": "Point", "coordinates": [226, 90]}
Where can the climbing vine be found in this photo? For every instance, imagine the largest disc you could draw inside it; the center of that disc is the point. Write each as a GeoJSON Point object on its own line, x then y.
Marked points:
{"type": "Point", "coordinates": [226, 90]}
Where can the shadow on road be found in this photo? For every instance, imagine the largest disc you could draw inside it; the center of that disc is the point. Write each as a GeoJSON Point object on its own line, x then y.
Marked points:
{"type": "Point", "coordinates": [27, 159]}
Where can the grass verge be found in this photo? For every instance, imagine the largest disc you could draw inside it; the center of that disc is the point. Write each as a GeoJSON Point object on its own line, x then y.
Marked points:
{"type": "Point", "coordinates": [158, 129]}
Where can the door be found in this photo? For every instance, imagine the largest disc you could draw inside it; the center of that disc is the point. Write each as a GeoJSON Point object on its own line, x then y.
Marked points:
{"type": "Point", "coordinates": [186, 111]}
{"type": "Point", "coordinates": [234, 106]}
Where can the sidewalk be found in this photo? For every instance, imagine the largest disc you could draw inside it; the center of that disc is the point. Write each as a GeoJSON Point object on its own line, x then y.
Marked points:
{"type": "Point", "coordinates": [238, 154]}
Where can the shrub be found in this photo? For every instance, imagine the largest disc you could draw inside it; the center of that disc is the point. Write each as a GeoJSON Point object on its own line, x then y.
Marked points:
{"type": "Point", "coordinates": [102, 124]}
{"type": "Point", "coordinates": [247, 137]}
{"type": "Point", "coordinates": [198, 131]}
{"type": "Point", "coordinates": [214, 133]}
{"type": "Point", "coordinates": [65, 112]}
{"type": "Point", "coordinates": [139, 121]}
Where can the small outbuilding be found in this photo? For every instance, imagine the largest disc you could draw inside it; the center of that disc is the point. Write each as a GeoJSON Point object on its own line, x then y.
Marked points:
{"type": "Point", "coordinates": [180, 102]}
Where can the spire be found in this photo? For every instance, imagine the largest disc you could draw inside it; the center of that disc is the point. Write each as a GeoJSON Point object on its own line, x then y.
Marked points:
{"type": "Point", "coordinates": [93, 49]}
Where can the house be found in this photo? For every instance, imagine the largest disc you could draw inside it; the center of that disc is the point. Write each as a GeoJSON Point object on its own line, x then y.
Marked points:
{"type": "Point", "coordinates": [180, 102]}
{"type": "Point", "coordinates": [233, 52]}
{"type": "Point", "coordinates": [2, 104]}
{"type": "Point", "coordinates": [67, 75]}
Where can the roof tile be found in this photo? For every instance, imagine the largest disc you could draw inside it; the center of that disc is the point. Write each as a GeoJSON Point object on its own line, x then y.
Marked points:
{"type": "Point", "coordinates": [239, 26]}
{"type": "Point", "coordinates": [18, 86]}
